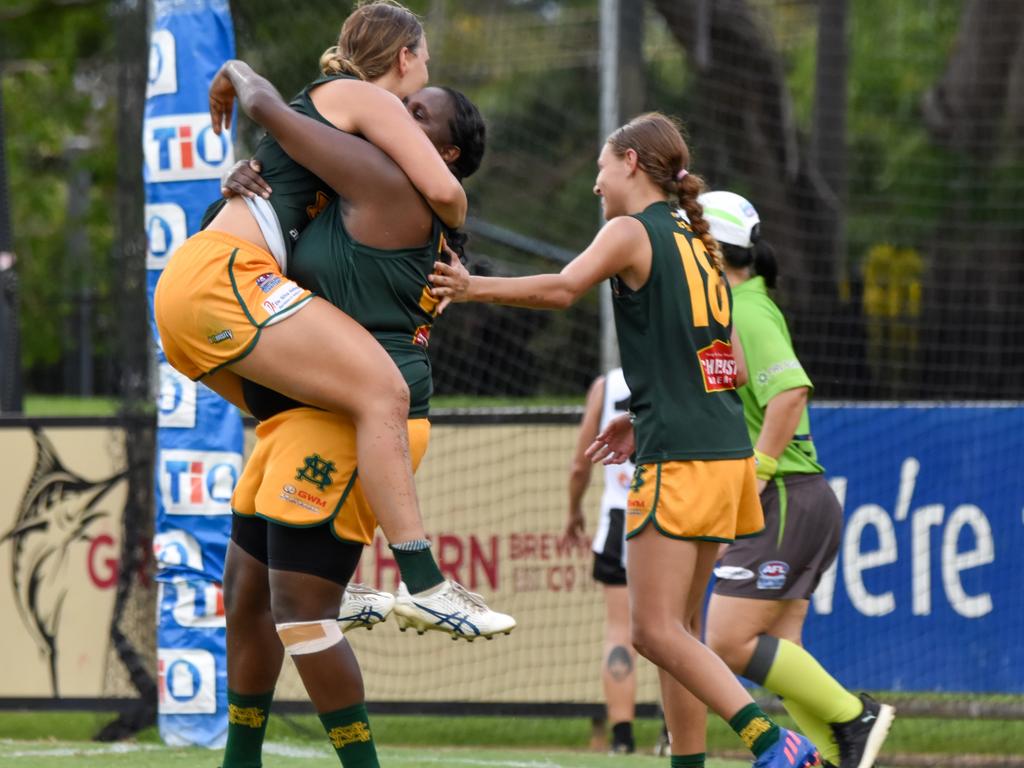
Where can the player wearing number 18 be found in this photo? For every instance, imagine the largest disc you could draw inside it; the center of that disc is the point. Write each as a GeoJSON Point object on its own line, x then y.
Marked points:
{"type": "Point", "coordinates": [694, 484]}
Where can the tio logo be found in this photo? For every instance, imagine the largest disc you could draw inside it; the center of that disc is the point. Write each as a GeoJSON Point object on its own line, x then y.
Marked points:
{"type": "Point", "coordinates": [163, 64]}
{"type": "Point", "coordinates": [177, 548]}
{"type": "Point", "coordinates": [193, 602]}
{"type": "Point", "coordinates": [184, 148]}
{"type": "Point", "coordinates": [198, 482]}
{"type": "Point", "coordinates": [176, 406]}
{"type": "Point", "coordinates": [166, 230]}
{"type": "Point", "coordinates": [186, 681]}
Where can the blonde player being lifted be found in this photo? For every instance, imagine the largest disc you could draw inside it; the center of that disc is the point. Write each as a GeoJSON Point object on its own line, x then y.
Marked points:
{"type": "Point", "coordinates": [694, 484]}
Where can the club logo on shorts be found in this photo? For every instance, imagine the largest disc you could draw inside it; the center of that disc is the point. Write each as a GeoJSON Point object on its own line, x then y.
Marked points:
{"type": "Point", "coordinates": [217, 338]}
{"type": "Point", "coordinates": [638, 478]}
{"type": "Point", "coordinates": [772, 575]}
{"type": "Point", "coordinates": [316, 470]}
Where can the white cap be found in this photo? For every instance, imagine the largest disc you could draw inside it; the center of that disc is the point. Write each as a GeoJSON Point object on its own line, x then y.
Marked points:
{"type": "Point", "coordinates": [732, 218]}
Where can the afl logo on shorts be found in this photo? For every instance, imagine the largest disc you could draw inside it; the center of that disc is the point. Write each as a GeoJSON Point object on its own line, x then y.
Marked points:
{"type": "Point", "coordinates": [772, 575]}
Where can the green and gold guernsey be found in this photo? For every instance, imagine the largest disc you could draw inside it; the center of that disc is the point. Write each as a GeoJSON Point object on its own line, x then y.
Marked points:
{"type": "Point", "coordinates": [674, 340]}
{"type": "Point", "coordinates": [773, 367]}
{"type": "Point", "coordinates": [299, 195]}
{"type": "Point", "coordinates": [385, 291]}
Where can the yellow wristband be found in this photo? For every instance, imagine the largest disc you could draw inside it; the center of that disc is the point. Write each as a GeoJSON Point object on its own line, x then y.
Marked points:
{"type": "Point", "coordinates": [767, 465]}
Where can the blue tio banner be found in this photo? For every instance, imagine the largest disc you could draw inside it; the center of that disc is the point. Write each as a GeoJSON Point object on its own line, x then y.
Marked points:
{"type": "Point", "coordinates": [928, 590]}
{"type": "Point", "coordinates": [199, 435]}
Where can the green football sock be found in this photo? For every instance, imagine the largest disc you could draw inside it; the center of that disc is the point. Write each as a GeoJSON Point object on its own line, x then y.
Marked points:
{"type": "Point", "coordinates": [788, 670]}
{"type": "Point", "coordinates": [755, 728]}
{"type": "Point", "coordinates": [818, 731]}
{"type": "Point", "coordinates": [247, 726]}
{"type": "Point", "coordinates": [417, 565]}
{"type": "Point", "coordinates": [687, 761]}
{"type": "Point", "coordinates": [350, 735]}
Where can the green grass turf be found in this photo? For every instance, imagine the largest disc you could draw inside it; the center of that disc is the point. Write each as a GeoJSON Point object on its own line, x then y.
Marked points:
{"type": "Point", "coordinates": [486, 741]}
{"type": "Point", "coordinates": [57, 754]}
{"type": "Point", "coordinates": [60, 405]}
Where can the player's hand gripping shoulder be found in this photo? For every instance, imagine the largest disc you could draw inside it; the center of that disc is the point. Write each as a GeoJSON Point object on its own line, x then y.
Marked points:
{"type": "Point", "coordinates": [615, 443]}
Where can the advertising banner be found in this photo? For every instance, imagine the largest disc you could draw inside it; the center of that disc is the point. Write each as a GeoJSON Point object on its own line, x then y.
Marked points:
{"type": "Point", "coordinates": [64, 493]}
{"type": "Point", "coordinates": [928, 591]}
{"type": "Point", "coordinates": [199, 436]}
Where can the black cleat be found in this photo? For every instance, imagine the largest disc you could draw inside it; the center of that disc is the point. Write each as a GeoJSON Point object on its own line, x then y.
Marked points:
{"type": "Point", "coordinates": [860, 740]}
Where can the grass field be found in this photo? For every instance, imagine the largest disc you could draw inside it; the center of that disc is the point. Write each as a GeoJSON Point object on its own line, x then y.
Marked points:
{"type": "Point", "coordinates": [52, 740]}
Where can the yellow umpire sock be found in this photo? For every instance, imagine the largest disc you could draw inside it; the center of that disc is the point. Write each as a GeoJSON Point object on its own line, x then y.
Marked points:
{"type": "Point", "coordinates": [818, 731]}
{"type": "Point", "coordinates": [788, 670]}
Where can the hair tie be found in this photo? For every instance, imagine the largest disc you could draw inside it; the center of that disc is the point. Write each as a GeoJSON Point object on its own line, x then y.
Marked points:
{"type": "Point", "coordinates": [682, 173]}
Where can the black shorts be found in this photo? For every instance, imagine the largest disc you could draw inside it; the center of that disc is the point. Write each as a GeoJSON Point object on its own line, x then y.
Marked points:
{"type": "Point", "coordinates": [608, 563]}
{"type": "Point", "coordinates": [799, 543]}
{"type": "Point", "coordinates": [314, 550]}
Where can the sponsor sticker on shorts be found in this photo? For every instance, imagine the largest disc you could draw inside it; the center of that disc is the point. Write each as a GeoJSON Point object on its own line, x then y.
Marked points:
{"type": "Point", "coordinates": [268, 281]}
{"type": "Point", "coordinates": [302, 498]}
{"type": "Point", "coordinates": [282, 297]}
{"type": "Point", "coordinates": [733, 573]}
{"type": "Point", "coordinates": [772, 575]}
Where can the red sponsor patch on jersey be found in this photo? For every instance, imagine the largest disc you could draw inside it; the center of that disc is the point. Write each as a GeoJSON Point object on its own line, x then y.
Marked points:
{"type": "Point", "coordinates": [421, 336]}
{"type": "Point", "coordinates": [717, 366]}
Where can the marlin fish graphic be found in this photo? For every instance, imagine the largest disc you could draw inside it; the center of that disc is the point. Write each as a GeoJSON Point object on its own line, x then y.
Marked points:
{"type": "Point", "coordinates": [55, 511]}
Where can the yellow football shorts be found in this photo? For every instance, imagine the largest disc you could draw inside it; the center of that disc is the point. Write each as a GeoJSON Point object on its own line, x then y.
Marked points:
{"type": "Point", "coordinates": [215, 295]}
{"type": "Point", "coordinates": [703, 500]}
{"type": "Point", "coordinates": [302, 473]}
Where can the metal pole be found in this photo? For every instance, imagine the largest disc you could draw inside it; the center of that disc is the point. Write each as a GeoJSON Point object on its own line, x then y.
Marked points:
{"type": "Point", "coordinates": [610, 118]}
{"type": "Point", "coordinates": [10, 346]}
{"type": "Point", "coordinates": [622, 96]}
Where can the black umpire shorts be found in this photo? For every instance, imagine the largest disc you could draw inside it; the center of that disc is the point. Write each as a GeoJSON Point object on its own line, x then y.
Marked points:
{"type": "Point", "coordinates": [314, 550]}
{"type": "Point", "coordinates": [803, 525]}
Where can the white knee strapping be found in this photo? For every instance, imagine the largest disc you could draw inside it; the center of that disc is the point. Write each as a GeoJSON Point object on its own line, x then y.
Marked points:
{"type": "Point", "coordinates": [302, 637]}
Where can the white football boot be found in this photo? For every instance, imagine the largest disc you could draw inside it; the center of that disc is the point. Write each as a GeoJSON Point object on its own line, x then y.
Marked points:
{"type": "Point", "coordinates": [363, 606]}
{"type": "Point", "coordinates": [450, 607]}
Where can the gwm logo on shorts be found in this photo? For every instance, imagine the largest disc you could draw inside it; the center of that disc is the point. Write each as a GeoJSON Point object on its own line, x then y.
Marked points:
{"type": "Point", "coordinates": [772, 575]}
{"type": "Point", "coordinates": [316, 470]}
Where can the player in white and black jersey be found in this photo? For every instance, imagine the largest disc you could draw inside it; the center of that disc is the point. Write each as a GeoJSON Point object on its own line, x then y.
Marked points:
{"type": "Point", "coordinates": [608, 398]}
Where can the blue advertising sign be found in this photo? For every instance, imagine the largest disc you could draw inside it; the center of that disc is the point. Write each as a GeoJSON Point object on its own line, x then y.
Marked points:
{"type": "Point", "coordinates": [927, 593]}
{"type": "Point", "coordinates": [199, 435]}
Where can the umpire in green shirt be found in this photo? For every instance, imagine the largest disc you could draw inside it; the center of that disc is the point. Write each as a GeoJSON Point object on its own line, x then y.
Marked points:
{"type": "Point", "coordinates": [764, 584]}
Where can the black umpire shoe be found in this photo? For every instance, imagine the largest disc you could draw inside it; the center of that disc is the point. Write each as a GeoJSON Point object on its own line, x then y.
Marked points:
{"type": "Point", "coordinates": [860, 740]}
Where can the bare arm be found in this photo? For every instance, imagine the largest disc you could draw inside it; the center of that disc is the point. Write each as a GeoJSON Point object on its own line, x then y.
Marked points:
{"type": "Point", "coordinates": [342, 160]}
{"type": "Point", "coordinates": [579, 470]}
{"type": "Point", "coordinates": [621, 245]}
{"type": "Point", "coordinates": [380, 117]}
{"type": "Point", "coordinates": [781, 418]}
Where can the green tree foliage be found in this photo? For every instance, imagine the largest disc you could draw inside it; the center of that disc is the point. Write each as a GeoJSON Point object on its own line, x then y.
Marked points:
{"type": "Point", "coordinates": [58, 87]}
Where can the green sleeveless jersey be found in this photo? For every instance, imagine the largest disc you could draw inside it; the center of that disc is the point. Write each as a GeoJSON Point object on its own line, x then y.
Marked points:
{"type": "Point", "coordinates": [385, 291]}
{"type": "Point", "coordinates": [676, 354]}
{"type": "Point", "coordinates": [299, 195]}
